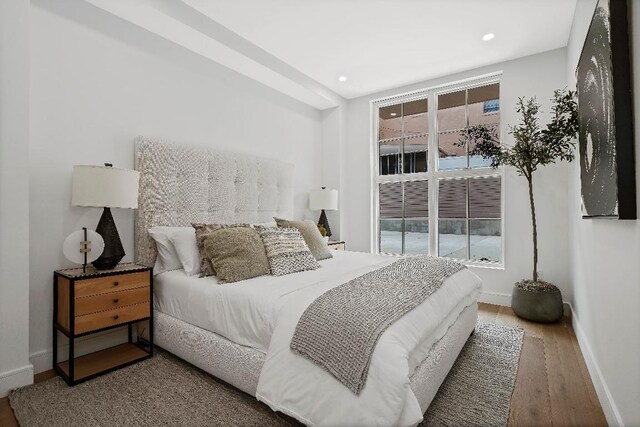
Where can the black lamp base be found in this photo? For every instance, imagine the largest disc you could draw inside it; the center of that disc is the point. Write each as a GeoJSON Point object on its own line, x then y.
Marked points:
{"type": "Point", "coordinates": [113, 250]}
{"type": "Point", "coordinates": [324, 222]}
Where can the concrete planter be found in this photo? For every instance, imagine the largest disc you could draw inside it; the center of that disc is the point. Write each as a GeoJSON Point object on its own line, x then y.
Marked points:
{"type": "Point", "coordinates": [537, 301]}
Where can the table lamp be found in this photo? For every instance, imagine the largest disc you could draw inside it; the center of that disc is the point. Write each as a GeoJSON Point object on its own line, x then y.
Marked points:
{"type": "Point", "coordinates": [106, 187]}
{"type": "Point", "coordinates": [323, 200]}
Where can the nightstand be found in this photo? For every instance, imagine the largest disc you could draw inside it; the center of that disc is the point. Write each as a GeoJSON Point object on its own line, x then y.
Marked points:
{"type": "Point", "coordinates": [95, 301]}
{"type": "Point", "coordinates": [338, 245]}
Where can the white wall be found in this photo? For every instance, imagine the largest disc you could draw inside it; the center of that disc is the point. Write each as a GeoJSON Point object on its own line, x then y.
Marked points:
{"type": "Point", "coordinates": [98, 82]}
{"type": "Point", "coordinates": [605, 267]}
{"type": "Point", "coordinates": [333, 162]}
{"type": "Point", "coordinates": [536, 75]}
{"type": "Point", "coordinates": [15, 369]}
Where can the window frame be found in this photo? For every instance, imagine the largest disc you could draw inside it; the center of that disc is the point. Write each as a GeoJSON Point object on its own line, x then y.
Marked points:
{"type": "Point", "coordinates": [432, 175]}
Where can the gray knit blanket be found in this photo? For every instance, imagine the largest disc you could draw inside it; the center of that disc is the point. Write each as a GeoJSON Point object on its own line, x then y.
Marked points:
{"type": "Point", "coordinates": [340, 329]}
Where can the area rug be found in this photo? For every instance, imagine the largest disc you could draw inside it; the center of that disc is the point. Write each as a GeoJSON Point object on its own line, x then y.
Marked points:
{"type": "Point", "coordinates": [167, 391]}
{"type": "Point", "coordinates": [478, 389]}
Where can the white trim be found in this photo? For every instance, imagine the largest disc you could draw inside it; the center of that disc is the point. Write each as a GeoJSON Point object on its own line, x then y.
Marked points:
{"type": "Point", "coordinates": [41, 360]}
{"type": "Point", "coordinates": [609, 407]}
{"type": "Point", "coordinates": [374, 166]}
{"type": "Point", "coordinates": [18, 377]}
{"type": "Point", "coordinates": [443, 88]}
{"type": "Point", "coordinates": [504, 300]}
{"type": "Point", "coordinates": [495, 298]}
{"type": "Point", "coordinates": [16, 371]}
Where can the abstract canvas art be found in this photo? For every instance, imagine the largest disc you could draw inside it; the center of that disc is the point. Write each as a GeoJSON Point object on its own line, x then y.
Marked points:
{"type": "Point", "coordinates": [607, 162]}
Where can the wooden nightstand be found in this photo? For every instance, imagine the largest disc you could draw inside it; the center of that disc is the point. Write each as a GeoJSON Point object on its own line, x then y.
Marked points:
{"type": "Point", "coordinates": [86, 303]}
{"type": "Point", "coordinates": [338, 245]}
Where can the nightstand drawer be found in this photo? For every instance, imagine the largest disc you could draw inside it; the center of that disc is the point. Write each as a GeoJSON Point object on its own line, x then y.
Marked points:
{"type": "Point", "coordinates": [104, 319]}
{"type": "Point", "coordinates": [111, 300]}
{"type": "Point", "coordinates": [100, 285]}
{"type": "Point", "coordinates": [337, 246]}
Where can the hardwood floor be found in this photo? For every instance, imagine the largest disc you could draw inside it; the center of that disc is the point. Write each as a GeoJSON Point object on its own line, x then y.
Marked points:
{"type": "Point", "coordinates": [553, 387]}
{"type": "Point", "coordinates": [6, 413]}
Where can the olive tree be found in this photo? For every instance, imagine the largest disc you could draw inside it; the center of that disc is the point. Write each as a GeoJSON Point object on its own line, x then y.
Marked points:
{"type": "Point", "coordinates": [534, 146]}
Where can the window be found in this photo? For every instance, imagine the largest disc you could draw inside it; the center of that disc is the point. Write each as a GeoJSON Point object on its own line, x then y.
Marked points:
{"type": "Point", "coordinates": [404, 217]}
{"type": "Point", "coordinates": [432, 196]}
{"type": "Point", "coordinates": [469, 219]}
{"type": "Point", "coordinates": [456, 111]}
{"type": "Point", "coordinates": [491, 106]}
{"type": "Point", "coordinates": [403, 138]}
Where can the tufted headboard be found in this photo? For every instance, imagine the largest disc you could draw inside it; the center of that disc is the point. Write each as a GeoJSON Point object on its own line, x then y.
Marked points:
{"type": "Point", "coordinates": [181, 184]}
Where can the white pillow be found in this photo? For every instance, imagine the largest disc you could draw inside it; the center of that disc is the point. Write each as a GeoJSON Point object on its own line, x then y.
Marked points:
{"type": "Point", "coordinates": [167, 258]}
{"type": "Point", "coordinates": [184, 242]}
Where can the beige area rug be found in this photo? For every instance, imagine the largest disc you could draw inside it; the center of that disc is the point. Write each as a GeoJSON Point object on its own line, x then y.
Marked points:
{"type": "Point", "coordinates": [166, 391]}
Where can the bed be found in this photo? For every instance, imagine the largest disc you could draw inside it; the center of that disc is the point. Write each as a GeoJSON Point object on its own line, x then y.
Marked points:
{"type": "Point", "coordinates": [241, 332]}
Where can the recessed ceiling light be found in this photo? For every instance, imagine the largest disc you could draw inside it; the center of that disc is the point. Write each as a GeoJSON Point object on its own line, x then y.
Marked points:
{"type": "Point", "coordinates": [342, 79]}
{"type": "Point", "coordinates": [393, 114]}
{"type": "Point", "coordinates": [488, 37]}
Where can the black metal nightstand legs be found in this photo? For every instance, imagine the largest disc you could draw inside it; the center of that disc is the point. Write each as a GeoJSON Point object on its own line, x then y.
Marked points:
{"type": "Point", "coordinates": [55, 322]}
{"type": "Point", "coordinates": [72, 298]}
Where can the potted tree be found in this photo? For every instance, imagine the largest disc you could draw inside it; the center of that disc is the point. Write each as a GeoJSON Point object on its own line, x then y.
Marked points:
{"type": "Point", "coordinates": [532, 299]}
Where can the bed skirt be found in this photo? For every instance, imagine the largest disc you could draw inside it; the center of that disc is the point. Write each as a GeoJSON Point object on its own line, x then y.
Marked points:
{"type": "Point", "coordinates": [240, 366]}
{"type": "Point", "coordinates": [233, 363]}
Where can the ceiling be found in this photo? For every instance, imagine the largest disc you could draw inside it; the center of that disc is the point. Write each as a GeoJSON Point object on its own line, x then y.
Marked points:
{"type": "Point", "coordinates": [301, 47]}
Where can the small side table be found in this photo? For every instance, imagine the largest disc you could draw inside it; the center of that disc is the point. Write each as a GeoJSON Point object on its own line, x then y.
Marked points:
{"type": "Point", "coordinates": [338, 245]}
{"type": "Point", "coordinates": [95, 301]}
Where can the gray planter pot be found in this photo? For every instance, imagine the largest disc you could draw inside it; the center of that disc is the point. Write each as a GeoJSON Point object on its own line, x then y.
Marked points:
{"type": "Point", "coordinates": [538, 302]}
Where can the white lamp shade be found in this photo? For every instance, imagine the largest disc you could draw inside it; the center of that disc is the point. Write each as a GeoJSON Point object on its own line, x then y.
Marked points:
{"type": "Point", "coordinates": [104, 187]}
{"type": "Point", "coordinates": [323, 199]}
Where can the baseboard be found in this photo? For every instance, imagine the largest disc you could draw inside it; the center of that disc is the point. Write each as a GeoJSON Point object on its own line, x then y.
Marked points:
{"type": "Point", "coordinates": [602, 390]}
{"type": "Point", "coordinates": [495, 298]}
{"type": "Point", "coordinates": [499, 298]}
{"type": "Point", "coordinates": [15, 378]}
{"type": "Point", "coordinates": [43, 360]}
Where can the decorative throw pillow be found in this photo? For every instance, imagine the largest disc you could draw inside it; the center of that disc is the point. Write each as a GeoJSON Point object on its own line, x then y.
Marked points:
{"type": "Point", "coordinates": [202, 232]}
{"type": "Point", "coordinates": [312, 237]}
{"type": "Point", "coordinates": [236, 253]}
{"type": "Point", "coordinates": [265, 224]}
{"type": "Point", "coordinates": [286, 250]}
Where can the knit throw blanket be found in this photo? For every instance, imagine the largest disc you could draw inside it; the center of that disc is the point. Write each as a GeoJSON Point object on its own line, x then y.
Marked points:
{"type": "Point", "coordinates": [340, 329]}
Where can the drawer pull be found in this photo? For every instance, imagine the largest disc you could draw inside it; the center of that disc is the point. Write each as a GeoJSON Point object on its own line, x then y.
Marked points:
{"type": "Point", "coordinates": [115, 283]}
{"type": "Point", "coordinates": [116, 300]}
{"type": "Point", "coordinates": [116, 317]}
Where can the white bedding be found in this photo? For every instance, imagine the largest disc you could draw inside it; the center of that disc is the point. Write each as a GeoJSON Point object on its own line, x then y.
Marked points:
{"type": "Point", "coordinates": [245, 312]}
{"type": "Point", "coordinates": [296, 386]}
{"type": "Point", "coordinates": [262, 313]}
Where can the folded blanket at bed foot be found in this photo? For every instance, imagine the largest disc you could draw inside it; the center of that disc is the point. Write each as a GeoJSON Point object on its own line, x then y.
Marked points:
{"type": "Point", "coordinates": [340, 329]}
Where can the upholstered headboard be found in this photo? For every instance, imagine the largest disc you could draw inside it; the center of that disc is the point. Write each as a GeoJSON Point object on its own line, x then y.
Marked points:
{"type": "Point", "coordinates": [181, 184]}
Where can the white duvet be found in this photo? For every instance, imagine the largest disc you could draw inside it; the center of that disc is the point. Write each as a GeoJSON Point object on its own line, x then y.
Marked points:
{"type": "Point", "coordinates": [263, 313]}
{"type": "Point", "coordinates": [245, 312]}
